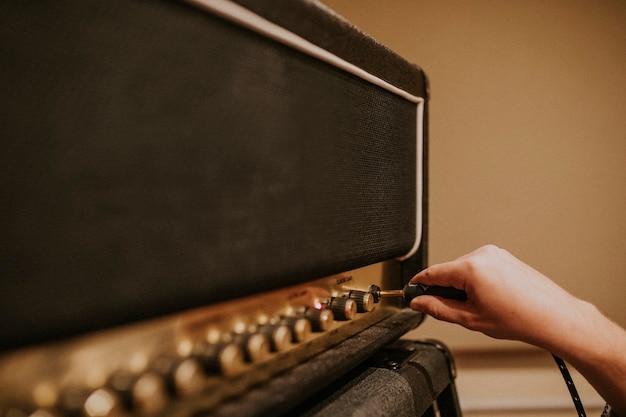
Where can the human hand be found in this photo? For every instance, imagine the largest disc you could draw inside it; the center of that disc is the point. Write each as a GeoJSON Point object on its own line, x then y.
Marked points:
{"type": "Point", "coordinates": [506, 298]}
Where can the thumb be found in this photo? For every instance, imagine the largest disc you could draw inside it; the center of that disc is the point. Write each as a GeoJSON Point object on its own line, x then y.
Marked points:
{"type": "Point", "coordinates": [439, 308]}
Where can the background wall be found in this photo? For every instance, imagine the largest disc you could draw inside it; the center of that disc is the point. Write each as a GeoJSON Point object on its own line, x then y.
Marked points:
{"type": "Point", "coordinates": [527, 135]}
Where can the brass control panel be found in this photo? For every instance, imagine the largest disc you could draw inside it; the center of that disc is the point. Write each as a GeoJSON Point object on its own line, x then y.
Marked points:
{"type": "Point", "coordinates": [194, 361]}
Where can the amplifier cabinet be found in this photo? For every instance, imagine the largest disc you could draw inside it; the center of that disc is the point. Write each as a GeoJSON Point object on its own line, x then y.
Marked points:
{"type": "Point", "coordinates": [176, 174]}
{"type": "Point", "coordinates": [406, 378]}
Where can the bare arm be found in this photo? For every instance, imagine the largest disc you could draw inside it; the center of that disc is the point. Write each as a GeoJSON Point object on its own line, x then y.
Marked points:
{"type": "Point", "coordinates": [508, 299]}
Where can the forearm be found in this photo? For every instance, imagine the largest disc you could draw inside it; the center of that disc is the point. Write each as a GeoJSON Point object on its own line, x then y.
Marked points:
{"type": "Point", "coordinates": [596, 347]}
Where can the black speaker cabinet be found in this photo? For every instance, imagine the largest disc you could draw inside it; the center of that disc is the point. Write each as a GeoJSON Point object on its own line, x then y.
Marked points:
{"type": "Point", "coordinates": [161, 155]}
{"type": "Point", "coordinates": [404, 379]}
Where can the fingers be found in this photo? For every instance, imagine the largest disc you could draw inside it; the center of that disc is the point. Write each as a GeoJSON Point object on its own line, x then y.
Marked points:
{"type": "Point", "coordinates": [506, 298]}
{"type": "Point", "coordinates": [439, 308]}
{"type": "Point", "coordinates": [448, 274]}
{"type": "Point", "coordinates": [457, 273]}
{"type": "Point", "coordinates": [472, 273]}
{"type": "Point", "coordinates": [462, 313]}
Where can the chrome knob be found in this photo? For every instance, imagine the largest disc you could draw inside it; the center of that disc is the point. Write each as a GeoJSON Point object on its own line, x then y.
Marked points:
{"type": "Point", "coordinates": [364, 300]}
{"type": "Point", "coordinates": [279, 336]}
{"type": "Point", "coordinates": [188, 378]}
{"type": "Point", "coordinates": [343, 308]}
{"type": "Point", "coordinates": [221, 358]}
{"type": "Point", "coordinates": [148, 393]}
{"type": "Point", "coordinates": [103, 402]}
{"type": "Point", "coordinates": [300, 328]}
{"type": "Point", "coordinates": [144, 393]}
{"type": "Point", "coordinates": [321, 319]}
{"type": "Point", "coordinates": [184, 376]}
{"type": "Point", "coordinates": [256, 346]}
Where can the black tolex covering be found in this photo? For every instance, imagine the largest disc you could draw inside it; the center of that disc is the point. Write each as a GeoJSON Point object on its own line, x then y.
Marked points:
{"type": "Point", "coordinates": [156, 158]}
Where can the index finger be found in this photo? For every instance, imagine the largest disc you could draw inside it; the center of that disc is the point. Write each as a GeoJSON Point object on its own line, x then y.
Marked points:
{"type": "Point", "coordinates": [448, 274]}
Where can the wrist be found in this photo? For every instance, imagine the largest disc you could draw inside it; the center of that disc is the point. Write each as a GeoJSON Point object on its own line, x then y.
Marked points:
{"type": "Point", "coordinates": [567, 332]}
{"type": "Point", "coordinates": [596, 350]}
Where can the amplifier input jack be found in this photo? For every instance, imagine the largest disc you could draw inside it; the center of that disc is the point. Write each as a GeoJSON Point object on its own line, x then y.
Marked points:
{"type": "Point", "coordinates": [375, 291]}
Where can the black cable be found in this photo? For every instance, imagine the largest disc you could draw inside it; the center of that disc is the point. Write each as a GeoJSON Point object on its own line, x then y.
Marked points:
{"type": "Point", "coordinates": [570, 386]}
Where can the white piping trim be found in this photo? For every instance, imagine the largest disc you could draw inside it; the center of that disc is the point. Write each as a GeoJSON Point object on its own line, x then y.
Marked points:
{"type": "Point", "coordinates": [246, 18]}
{"type": "Point", "coordinates": [419, 179]}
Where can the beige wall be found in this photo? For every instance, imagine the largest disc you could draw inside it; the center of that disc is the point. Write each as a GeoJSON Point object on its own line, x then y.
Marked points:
{"type": "Point", "coordinates": [528, 132]}
{"type": "Point", "coordinates": [528, 151]}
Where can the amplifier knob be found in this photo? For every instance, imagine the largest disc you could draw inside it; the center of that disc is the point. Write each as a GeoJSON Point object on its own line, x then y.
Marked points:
{"type": "Point", "coordinates": [144, 393]}
{"type": "Point", "coordinates": [185, 377]}
{"type": "Point", "coordinates": [188, 378]}
{"type": "Point", "coordinates": [256, 346]}
{"type": "Point", "coordinates": [364, 300]}
{"type": "Point", "coordinates": [103, 402]}
{"type": "Point", "coordinates": [300, 328]}
{"type": "Point", "coordinates": [321, 319]}
{"type": "Point", "coordinates": [279, 336]}
{"type": "Point", "coordinates": [343, 308]}
{"type": "Point", "coordinates": [223, 358]}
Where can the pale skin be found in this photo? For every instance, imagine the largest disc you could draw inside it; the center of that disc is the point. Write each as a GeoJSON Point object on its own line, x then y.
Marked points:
{"type": "Point", "coordinates": [507, 299]}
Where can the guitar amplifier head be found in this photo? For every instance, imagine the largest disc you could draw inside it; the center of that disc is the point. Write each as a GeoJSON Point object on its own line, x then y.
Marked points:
{"type": "Point", "coordinates": [180, 179]}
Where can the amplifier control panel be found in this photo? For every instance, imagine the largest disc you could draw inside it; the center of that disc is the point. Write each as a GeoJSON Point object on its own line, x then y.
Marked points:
{"type": "Point", "coordinates": [194, 361]}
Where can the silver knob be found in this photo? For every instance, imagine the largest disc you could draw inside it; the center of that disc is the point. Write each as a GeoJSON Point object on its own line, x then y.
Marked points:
{"type": "Point", "coordinates": [184, 376]}
{"type": "Point", "coordinates": [222, 358]}
{"type": "Point", "coordinates": [103, 402]}
{"type": "Point", "coordinates": [144, 393]}
{"type": "Point", "coordinates": [321, 319]}
{"type": "Point", "coordinates": [256, 346]}
{"type": "Point", "coordinates": [300, 328]}
{"type": "Point", "coordinates": [364, 300]}
{"type": "Point", "coordinates": [343, 308]}
{"type": "Point", "coordinates": [279, 336]}
{"type": "Point", "coordinates": [188, 378]}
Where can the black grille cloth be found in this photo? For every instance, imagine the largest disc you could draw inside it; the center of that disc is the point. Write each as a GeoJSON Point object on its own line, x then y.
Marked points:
{"type": "Point", "coordinates": [155, 158]}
